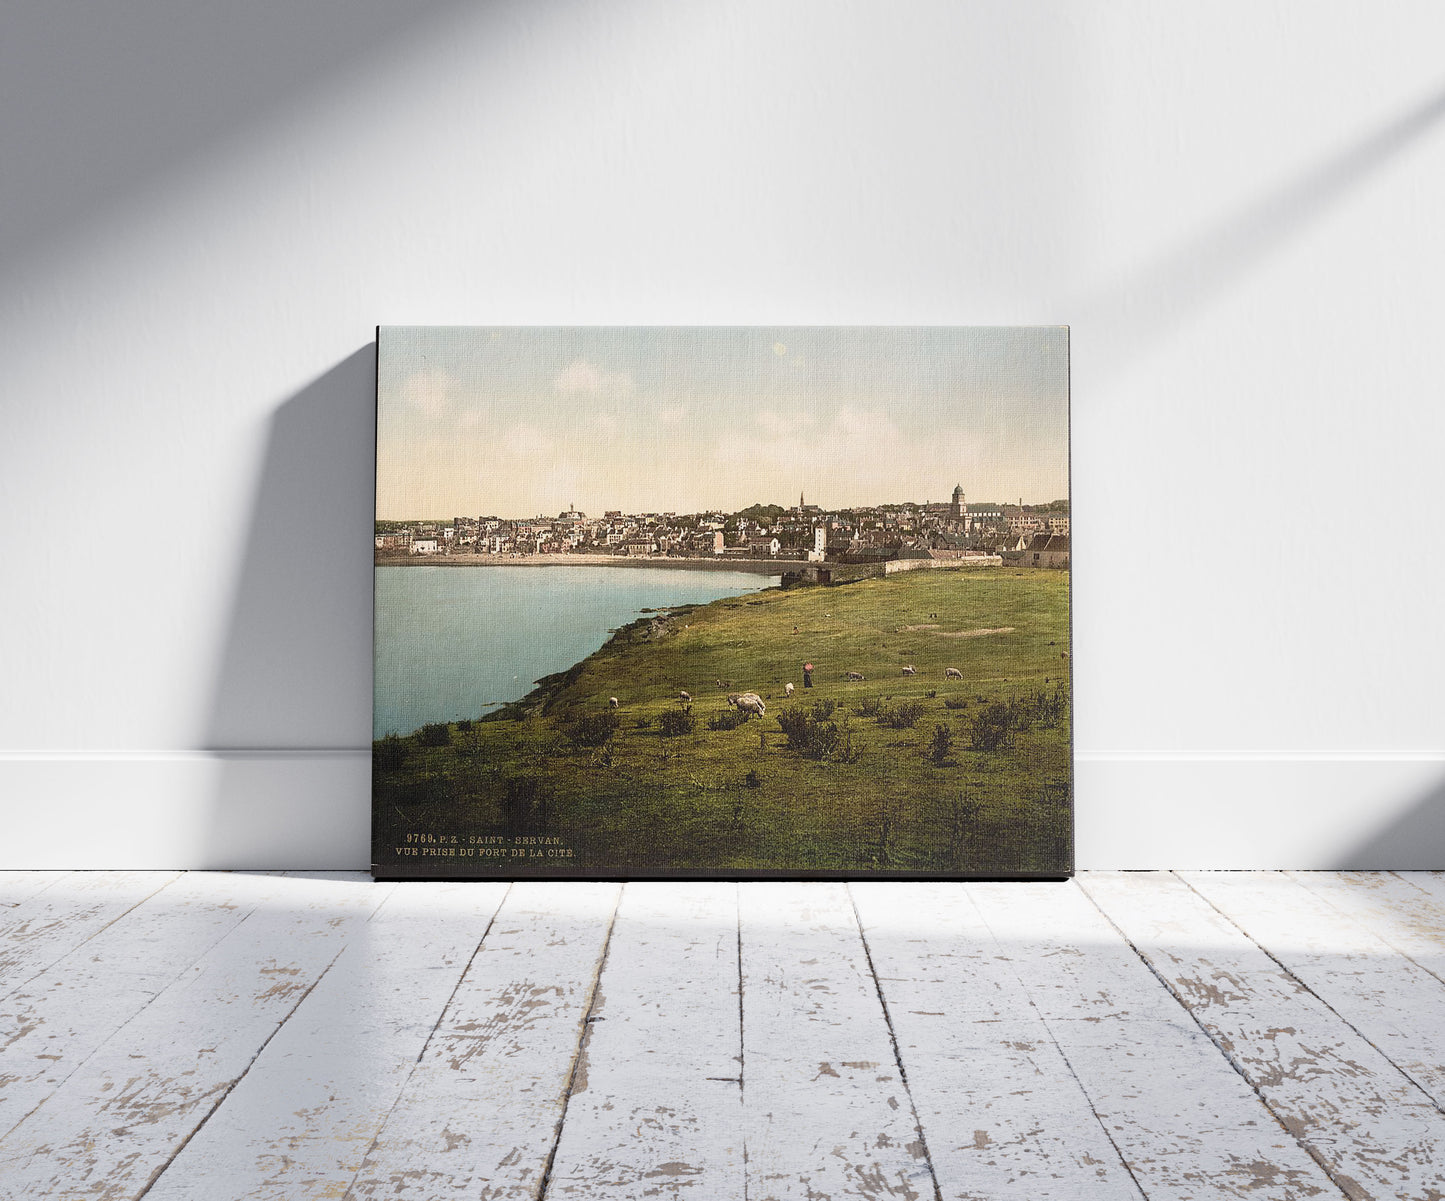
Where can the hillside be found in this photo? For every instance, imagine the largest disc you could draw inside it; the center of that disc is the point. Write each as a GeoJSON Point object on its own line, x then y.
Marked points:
{"type": "Point", "coordinates": [914, 773]}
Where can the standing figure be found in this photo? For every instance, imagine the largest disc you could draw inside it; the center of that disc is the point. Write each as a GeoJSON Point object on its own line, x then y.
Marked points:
{"type": "Point", "coordinates": [807, 675]}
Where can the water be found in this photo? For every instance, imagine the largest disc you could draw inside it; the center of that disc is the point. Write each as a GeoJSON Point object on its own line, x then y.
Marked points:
{"type": "Point", "coordinates": [455, 642]}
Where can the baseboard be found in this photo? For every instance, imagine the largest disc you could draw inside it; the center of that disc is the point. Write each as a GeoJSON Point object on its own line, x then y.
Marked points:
{"type": "Point", "coordinates": [1363, 810]}
{"type": "Point", "coordinates": [311, 809]}
{"type": "Point", "coordinates": [186, 809]}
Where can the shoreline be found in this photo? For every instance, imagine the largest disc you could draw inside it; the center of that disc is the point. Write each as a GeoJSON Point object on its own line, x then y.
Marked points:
{"type": "Point", "coordinates": [753, 566]}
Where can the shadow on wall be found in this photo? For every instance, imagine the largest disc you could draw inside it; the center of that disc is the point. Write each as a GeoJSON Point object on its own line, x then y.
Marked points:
{"type": "Point", "coordinates": [1149, 304]}
{"type": "Point", "coordinates": [290, 719]}
{"type": "Point", "coordinates": [118, 96]}
{"type": "Point", "coordinates": [1415, 841]}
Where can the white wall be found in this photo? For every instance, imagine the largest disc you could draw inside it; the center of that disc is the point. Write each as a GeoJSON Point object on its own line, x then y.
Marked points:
{"type": "Point", "coordinates": [205, 207]}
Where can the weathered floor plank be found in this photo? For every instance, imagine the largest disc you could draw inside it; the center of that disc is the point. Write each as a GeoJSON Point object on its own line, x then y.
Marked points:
{"type": "Point", "coordinates": [656, 1108]}
{"type": "Point", "coordinates": [1392, 1002]}
{"type": "Point", "coordinates": [1404, 909]}
{"type": "Point", "coordinates": [300, 1122]}
{"type": "Point", "coordinates": [49, 924]}
{"type": "Point", "coordinates": [479, 1116]}
{"type": "Point", "coordinates": [1375, 1131]}
{"type": "Point", "coordinates": [123, 1114]}
{"type": "Point", "coordinates": [1002, 1115]}
{"type": "Point", "coordinates": [826, 1111]}
{"type": "Point", "coordinates": [16, 887]}
{"type": "Point", "coordinates": [1186, 1124]}
{"type": "Point", "coordinates": [51, 1024]}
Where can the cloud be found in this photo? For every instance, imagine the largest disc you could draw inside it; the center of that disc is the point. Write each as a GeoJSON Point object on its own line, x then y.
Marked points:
{"type": "Point", "coordinates": [780, 425]}
{"type": "Point", "coordinates": [672, 415]}
{"type": "Point", "coordinates": [431, 392]}
{"type": "Point", "coordinates": [587, 379]}
{"type": "Point", "coordinates": [526, 441]}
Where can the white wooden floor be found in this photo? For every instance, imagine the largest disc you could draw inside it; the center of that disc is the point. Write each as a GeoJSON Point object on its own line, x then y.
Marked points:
{"type": "Point", "coordinates": [1189, 1035]}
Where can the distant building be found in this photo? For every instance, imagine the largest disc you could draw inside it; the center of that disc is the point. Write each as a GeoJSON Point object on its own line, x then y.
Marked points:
{"type": "Point", "coordinates": [958, 509]}
{"type": "Point", "coordinates": [424, 546]}
{"type": "Point", "coordinates": [1047, 550]}
{"type": "Point", "coordinates": [820, 544]}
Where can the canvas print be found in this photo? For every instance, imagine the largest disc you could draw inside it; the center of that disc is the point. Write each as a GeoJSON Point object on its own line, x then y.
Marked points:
{"type": "Point", "coordinates": [722, 602]}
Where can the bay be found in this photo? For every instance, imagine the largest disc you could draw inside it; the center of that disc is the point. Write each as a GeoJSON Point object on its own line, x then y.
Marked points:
{"type": "Point", "coordinates": [457, 642]}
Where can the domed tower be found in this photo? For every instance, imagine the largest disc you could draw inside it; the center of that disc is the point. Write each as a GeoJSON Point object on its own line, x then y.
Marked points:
{"type": "Point", "coordinates": [958, 507]}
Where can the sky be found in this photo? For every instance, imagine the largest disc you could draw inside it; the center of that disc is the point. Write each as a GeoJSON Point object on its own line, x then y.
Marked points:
{"type": "Point", "coordinates": [518, 422]}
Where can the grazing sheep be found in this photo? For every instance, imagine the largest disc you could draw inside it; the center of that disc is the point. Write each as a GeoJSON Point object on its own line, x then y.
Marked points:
{"type": "Point", "coordinates": [952, 673]}
{"type": "Point", "coordinates": [908, 671]}
{"type": "Point", "coordinates": [855, 675]}
{"type": "Point", "coordinates": [684, 697]}
{"type": "Point", "coordinates": [612, 702]}
{"type": "Point", "coordinates": [733, 697]}
{"type": "Point", "coordinates": [751, 702]}
{"type": "Point", "coordinates": [787, 690]}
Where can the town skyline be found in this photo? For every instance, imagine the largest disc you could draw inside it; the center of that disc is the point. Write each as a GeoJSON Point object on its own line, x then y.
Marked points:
{"type": "Point", "coordinates": [509, 421]}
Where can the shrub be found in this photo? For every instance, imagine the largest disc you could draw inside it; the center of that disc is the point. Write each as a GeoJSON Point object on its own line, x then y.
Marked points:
{"type": "Point", "coordinates": [823, 710]}
{"type": "Point", "coordinates": [464, 726]}
{"type": "Point", "coordinates": [869, 706]}
{"type": "Point", "coordinates": [751, 780]}
{"type": "Point", "coordinates": [901, 717]}
{"type": "Point", "coordinates": [388, 752]}
{"type": "Point", "coordinates": [591, 729]}
{"type": "Point", "coordinates": [727, 719]}
{"type": "Point", "coordinates": [955, 702]}
{"type": "Point", "coordinates": [810, 737]}
{"type": "Point", "coordinates": [931, 693]}
{"type": "Point", "coordinates": [643, 722]}
{"type": "Point", "coordinates": [675, 722]}
{"type": "Point", "coordinates": [992, 729]}
{"type": "Point", "coordinates": [524, 805]}
{"type": "Point", "coordinates": [436, 733]}
{"type": "Point", "coordinates": [941, 743]}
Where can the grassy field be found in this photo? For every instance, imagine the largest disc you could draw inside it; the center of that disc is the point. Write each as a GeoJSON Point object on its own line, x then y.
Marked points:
{"type": "Point", "coordinates": [913, 773]}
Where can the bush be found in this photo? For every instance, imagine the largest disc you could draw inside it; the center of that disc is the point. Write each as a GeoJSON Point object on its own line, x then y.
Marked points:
{"type": "Point", "coordinates": [941, 744]}
{"type": "Point", "coordinates": [388, 752]}
{"type": "Point", "coordinates": [993, 728]}
{"type": "Point", "coordinates": [955, 703]}
{"type": "Point", "coordinates": [464, 726]}
{"type": "Point", "coordinates": [869, 706]}
{"type": "Point", "coordinates": [524, 805]}
{"type": "Point", "coordinates": [901, 717]}
{"type": "Point", "coordinates": [810, 737]}
{"type": "Point", "coordinates": [642, 722]}
{"type": "Point", "coordinates": [823, 710]}
{"type": "Point", "coordinates": [727, 719]}
{"type": "Point", "coordinates": [436, 733]}
{"type": "Point", "coordinates": [751, 780]}
{"type": "Point", "coordinates": [675, 722]}
{"type": "Point", "coordinates": [591, 729]}
{"type": "Point", "coordinates": [931, 693]}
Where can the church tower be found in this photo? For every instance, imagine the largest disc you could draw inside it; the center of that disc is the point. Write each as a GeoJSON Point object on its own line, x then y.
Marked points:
{"type": "Point", "coordinates": [958, 508]}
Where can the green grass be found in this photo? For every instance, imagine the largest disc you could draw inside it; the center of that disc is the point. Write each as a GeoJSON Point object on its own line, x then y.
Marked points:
{"type": "Point", "coordinates": [742, 798]}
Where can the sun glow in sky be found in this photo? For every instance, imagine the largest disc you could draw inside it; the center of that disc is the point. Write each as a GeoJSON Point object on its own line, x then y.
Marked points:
{"type": "Point", "coordinates": [516, 422]}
